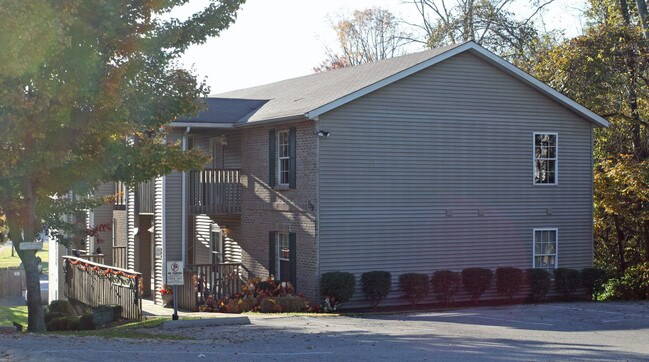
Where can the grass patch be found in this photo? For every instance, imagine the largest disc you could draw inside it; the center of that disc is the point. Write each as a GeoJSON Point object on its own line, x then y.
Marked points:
{"type": "Point", "coordinates": [132, 330]}
{"type": "Point", "coordinates": [16, 314]}
{"type": "Point", "coordinates": [8, 261]}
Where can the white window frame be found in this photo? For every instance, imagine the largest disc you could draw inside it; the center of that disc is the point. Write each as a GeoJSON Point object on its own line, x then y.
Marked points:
{"type": "Point", "coordinates": [281, 239]}
{"type": "Point", "coordinates": [279, 158]}
{"type": "Point", "coordinates": [556, 247]}
{"type": "Point", "coordinates": [556, 159]}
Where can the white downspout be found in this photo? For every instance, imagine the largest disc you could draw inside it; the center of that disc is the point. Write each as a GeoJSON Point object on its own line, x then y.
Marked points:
{"type": "Point", "coordinates": [184, 203]}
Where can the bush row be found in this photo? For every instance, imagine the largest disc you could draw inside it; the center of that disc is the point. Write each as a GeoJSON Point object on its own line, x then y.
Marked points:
{"type": "Point", "coordinates": [61, 316]}
{"type": "Point", "coordinates": [260, 295]}
{"type": "Point", "coordinates": [338, 287]}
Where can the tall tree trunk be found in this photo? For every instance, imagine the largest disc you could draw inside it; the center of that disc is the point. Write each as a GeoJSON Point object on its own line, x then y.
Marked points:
{"type": "Point", "coordinates": [624, 8]}
{"type": "Point", "coordinates": [620, 245]}
{"type": "Point", "coordinates": [645, 236]}
{"type": "Point", "coordinates": [25, 220]}
{"type": "Point", "coordinates": [644, 17]}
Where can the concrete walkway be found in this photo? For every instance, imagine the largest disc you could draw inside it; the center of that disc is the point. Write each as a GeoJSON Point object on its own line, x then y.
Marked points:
{"type": "Point", "coordinates": [190, 319]}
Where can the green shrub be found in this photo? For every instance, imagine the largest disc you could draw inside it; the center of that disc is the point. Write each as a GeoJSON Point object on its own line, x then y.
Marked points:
{"type": "Point", "coordinates": [376, 285]}
{"type": "Point", "coordinates": [269, 305]}
{"type": "Point", "coordinates": [539, 284]}
{"type": "Point", "coordinates": [476, 281]}
{"type": "Point", "coordinates": [53, 315]}
{"type": "Point", "coordinates": [292, 304]}
{"type": "Point", "coordinates": [64, 324]}
{"type": "Point", "coordinates": [567, 281]}
{"type": "Point", "coordinates": [445, 284]}
{"type": "Point", "coordinates": [61, 306]}
{"type": "Point", "coordinates": [594, 280]}
{"type": "Point", "coordinates": [415, 286]}
{"type": "Point", "coordinates": [86, 323]}
{"type": "Point", "coordinates": [509, 281]}
{"type": "Point", "coordinates": [337, 287]}
{"type": "Point", "coordinates": [634, 284]}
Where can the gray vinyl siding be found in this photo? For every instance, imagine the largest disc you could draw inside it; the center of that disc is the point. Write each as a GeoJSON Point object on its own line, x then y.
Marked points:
{"type": "Point", "coordinates": [436, 172]}
{"type": "Point", "coordinates": [173, 216]}
{"type": "Point", "coordinates": [231, 151]}
{"type": "Point", "coordinates": [173, 212]}
{"type": "Point", "coordinates": [158, 237]}
{"type": "Point", "coordinates": [131, 249]}
{"type": "Point", "coordinates": [202, 239]}
{"type": "Point", "coordinates": [104, 215]}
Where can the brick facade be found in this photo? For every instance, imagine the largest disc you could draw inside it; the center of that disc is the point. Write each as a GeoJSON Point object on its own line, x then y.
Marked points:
{"type": "Point", "coordinates": [266, 209]}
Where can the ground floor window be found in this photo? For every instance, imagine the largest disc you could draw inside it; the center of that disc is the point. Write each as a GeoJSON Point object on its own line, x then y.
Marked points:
{"type": "Point", "coordinates": [545, 248]}
{"type": "Point", "coordinates": [282, 256]}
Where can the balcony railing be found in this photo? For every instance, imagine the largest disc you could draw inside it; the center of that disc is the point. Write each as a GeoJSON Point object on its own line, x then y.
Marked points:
{"type": "Point", "coordinates": [119, 256]}
{"type": "Point", "coordinates": [120, 195]}
{"type": "Point", "coordinates": [202, 280]}
{"type": "Point", "coordinates": [215, 191]}
{"type": "Point", "coordinates": [145, 197]}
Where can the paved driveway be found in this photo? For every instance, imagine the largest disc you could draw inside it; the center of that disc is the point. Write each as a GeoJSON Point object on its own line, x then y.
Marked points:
{"type": "Point", "coordinates": [575, 331]}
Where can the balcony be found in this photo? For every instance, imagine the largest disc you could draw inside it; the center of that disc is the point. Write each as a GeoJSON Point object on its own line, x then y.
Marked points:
{"type": "Point", "coordinates": [215, 191]}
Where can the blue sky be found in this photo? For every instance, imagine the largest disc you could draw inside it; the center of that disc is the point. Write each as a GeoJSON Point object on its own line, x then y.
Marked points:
{"type": "Point", "coordinates": [280, 39]}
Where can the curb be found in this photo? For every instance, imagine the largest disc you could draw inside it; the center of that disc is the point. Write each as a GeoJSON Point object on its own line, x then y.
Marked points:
{"type": "Point", "coordinates": [209, 322]}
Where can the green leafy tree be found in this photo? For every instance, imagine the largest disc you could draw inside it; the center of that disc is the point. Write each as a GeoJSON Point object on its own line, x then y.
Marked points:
{"type": "Point", "coordinates": [86, 89]}
{"type": "Point", "coordinates": [606, 69]}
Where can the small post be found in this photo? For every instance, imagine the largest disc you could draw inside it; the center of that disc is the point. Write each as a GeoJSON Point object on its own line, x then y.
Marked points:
{"type": "Point", "coordinates": [175, 315]}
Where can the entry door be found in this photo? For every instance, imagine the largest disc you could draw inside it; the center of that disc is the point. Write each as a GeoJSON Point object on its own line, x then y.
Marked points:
{"type": "Point", "coordinates": [216, 149]}
{"type": "Point", "coordinates": [216, 242]}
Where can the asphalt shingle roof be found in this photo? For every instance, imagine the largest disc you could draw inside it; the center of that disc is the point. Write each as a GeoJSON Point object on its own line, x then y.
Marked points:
{"type": "Point", "coordinates": [318, 93]}
{"type": "Point", "coordinates": [225, 110]}
{"type": "Point", "coordinates": [297, 96]}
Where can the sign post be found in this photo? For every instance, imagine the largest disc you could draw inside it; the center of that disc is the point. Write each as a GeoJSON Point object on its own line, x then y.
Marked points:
{"type": "Point", "coordinates": [175, 277]}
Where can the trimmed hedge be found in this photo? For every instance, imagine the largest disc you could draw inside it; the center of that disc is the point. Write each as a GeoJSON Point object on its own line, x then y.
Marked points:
{"type": "Point", "coordinates": [445, 284]}
{"type": "Point", "coordinates": [476, 281]}
{"type": "Point", "coordinates": [539, 284]}
{"type": "Point", "coordinates": [567, 281]}
{"type": "Point", "coordinates": [415, 287]}
{"type": "Point", "coordinates": [509, 281]}
{"type": "Point", "coordinates": [338, 287]}
{"type": "Point", "coordinates": [64, 324]}
{"type": "Point", "coordinates": [376, 285]}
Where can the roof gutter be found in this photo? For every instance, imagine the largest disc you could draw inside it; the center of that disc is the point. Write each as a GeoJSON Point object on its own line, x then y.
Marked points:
{"type": "Point", "coordinates": [200, 125]}
{"type": "Point", "coordinates": [270, 121]}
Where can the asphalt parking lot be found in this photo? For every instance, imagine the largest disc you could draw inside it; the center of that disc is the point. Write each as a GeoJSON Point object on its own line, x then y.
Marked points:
{"type": "Point", "coordinates": [559, 331]}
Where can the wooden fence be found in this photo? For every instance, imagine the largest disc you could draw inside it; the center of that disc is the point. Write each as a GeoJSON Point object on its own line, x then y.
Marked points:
{"type": "Point", "coordinates": [96, 284]}
{"type": "Point", "coordinates": [12, 282]}
{"type": "Point", "coordinates": [202, 280]}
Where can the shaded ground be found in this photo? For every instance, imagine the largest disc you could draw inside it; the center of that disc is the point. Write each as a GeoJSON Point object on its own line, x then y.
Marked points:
{"type": "Point", "coordinates": [577, 331]}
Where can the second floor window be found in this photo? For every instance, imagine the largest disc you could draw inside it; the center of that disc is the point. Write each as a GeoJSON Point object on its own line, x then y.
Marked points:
{"type": "Point", "coordinates": [545, 158]}
{"type": "Point", "coordinates": [283, 158]}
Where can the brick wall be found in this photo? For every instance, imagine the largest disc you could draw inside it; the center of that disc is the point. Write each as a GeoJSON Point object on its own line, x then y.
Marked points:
{"type": "Point", "coordinates": [265, 209]}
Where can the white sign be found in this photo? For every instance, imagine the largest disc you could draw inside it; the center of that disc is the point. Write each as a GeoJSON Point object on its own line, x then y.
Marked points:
{"type": "Point", "coordinates": [31, 246]}
{"type": "Point", "coordinates": [175, 273]}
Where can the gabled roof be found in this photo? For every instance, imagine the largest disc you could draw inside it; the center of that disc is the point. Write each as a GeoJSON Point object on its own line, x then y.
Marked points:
{"type": "Point", "coordinates": [315, 94]}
